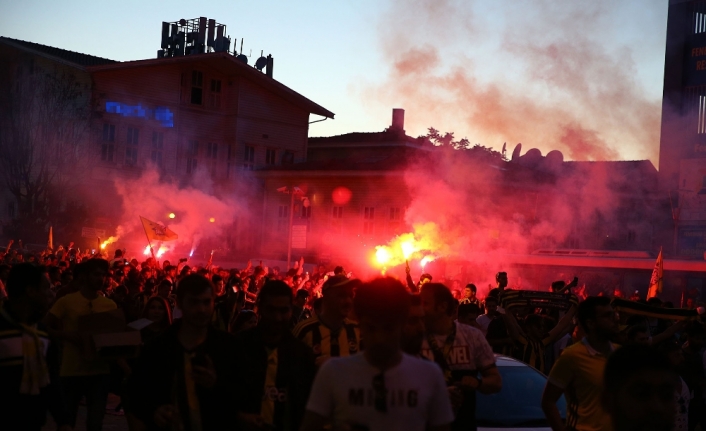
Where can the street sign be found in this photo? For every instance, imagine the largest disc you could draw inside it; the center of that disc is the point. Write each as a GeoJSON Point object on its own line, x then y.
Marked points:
{"type": "Point", "coordinates": [299, 236]}
{"type": "Point", "coordinates": [91, 232]}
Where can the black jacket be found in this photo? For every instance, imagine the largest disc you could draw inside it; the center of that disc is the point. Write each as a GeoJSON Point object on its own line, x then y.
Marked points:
{"type": "Point", "coordinates": [158, 379]}
{"type": "Point", "coordinates": [295, 375]}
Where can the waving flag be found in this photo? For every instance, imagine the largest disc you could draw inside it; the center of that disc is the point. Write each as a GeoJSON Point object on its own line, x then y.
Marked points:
{"type": "Point", "coordinates": [157, 232]}
{"type": "Point", "coordinates": [657, 275]}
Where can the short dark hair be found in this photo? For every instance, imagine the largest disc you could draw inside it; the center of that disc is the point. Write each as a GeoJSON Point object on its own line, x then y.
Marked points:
{"type": "Point", "coordinates": [95, 264]}
{"type": "Point", "coordinates": [472, 287]}
{"type": "Point", "coordinates": [302, 293]}
{"type": "Point", "coordinates": [442, 294]}
{"type": "Point", "coordinates": [587, 309]}
{"type": "Point", "coordinates": [629, 360]}
{"type": "Point", "coordinates": [384, 299]}
{"type": "Point", "coordinates": [216, 278]}
{"type": "Point", "coordinates": [466, 309]}
{"type": "Point", "coordinates": [274, 288]}
{"type": "Point", "coordinates": [415, 300]}
{"type": "Point", "coordinates": [21, 276]}
{"type": "Point", "coordinates": [194, 284]}
{"type": "Point", "coordinates": [426, 275]}
{"type": "Point", "coordinates": [501, 273]}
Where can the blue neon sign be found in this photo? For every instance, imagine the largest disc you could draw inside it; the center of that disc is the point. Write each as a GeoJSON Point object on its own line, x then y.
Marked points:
{"type": "Point", "coordinates": [160, 113]}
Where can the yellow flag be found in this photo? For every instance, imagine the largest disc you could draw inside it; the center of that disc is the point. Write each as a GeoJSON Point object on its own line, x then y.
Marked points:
{"type": "Point", "coordinates": [657, 275]}
{"type": "Point", "coordinates": [157, 232]}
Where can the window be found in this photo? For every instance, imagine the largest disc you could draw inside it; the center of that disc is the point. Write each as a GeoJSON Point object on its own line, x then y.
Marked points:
{"type": "Point", "coordinates": [108, 132]}
{"type": "Point", "coordinates": [249, 163]}
{"type": "Point", "coordinates": [108, 143]}
{"type": "Point", "coordinates": [215, 95]}
{"type": "Point", "coordinates": [11, 210]}
{"type": "Point", "coordinates": [212, 150]}
{"type": "Point", "coordinates": [282, 218]}
{"type": "Point", "coordinates": [192, 152]}
{"type": "Point", "coordinates": [229, 163]}
{"type": "Point", "coordinates": [270, 156]}
{"type": "Point", "coordinates": [157, 148]}
{"type": "Point", "coordinates": [288, 157]}
{"type": "Point", "coordinates": [131, 148]}
{"type": "Point", "coordinates": [368, 224]}
{"type": "Point", "coordinates": [196, 87]}
{"type": "Point", "coordinates": [395, 224]}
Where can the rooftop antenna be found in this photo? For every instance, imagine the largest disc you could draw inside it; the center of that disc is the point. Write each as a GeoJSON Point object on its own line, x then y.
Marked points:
{"type": "Point", "coordinates": [242, 57]}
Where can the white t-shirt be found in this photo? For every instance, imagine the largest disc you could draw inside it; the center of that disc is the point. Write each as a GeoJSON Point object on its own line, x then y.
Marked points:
{"type": "Point", "coordinates": [416, 395]}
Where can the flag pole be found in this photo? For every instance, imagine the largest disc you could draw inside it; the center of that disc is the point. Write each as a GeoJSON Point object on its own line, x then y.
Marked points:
{"type": "Point", "coordinates": [148, 241]}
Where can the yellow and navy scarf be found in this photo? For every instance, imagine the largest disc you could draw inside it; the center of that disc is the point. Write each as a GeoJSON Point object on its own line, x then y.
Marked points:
{"type": "Point", "coordinates": [35, 373]}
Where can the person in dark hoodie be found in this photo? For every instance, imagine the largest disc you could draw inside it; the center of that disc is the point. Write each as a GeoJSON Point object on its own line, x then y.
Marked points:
{"type": "Point", "coordinates": [275, 370]}
{"type": "Point", "coordinates": [185, 377]}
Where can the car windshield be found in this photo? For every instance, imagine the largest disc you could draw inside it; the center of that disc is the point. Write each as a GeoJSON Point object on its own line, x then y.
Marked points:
{"type": "Point", "coordinates": [518, 404]}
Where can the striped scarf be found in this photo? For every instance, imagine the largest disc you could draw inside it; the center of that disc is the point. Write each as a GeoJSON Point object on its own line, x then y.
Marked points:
{"type": "Point", "coordinates": [632, 307]}
{"type": "Point", "coordinates": [35, 373]}
{"type": "Point", "coordinates": [535, 299]}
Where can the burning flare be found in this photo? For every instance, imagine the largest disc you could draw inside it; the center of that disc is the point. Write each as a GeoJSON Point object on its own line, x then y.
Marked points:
{"type": "Point", "coordinates": [108, 241]}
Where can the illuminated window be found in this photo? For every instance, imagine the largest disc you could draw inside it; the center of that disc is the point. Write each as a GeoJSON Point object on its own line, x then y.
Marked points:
{"type": "Point", "coordinates": [196, 87]}
{"type": "Point", "coordinates": [270, 156]}
{"type": "Point", "coordinates": [215, 95]}
{"type": "Point", "coordinates": [157, 148]}
{"type": "Point", "coordinates": [702, 115]}
{"type": "Point", "coordinates": [699, 20]}
{"type": "Point", "coordinates": [249, 159]}
{"type": "Point", "coordinates": [131, 146]}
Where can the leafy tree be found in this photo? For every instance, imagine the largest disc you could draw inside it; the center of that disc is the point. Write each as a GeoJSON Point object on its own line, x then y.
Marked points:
{"type": "Point", "coordinates": [447, 140]}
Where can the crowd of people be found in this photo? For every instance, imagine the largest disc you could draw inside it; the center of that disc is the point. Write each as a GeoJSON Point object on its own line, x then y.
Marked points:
{"type": "Point", "coordinates": [260, 349]}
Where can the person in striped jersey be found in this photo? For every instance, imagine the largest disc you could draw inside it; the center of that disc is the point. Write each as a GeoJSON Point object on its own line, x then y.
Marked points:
{"type": "Point", "coordinates": [331, 333]}
{"type": "Point", "coordinates": [24, 373]}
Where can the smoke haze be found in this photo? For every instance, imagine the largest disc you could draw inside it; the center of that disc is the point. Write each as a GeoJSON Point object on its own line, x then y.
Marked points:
{"type": "Point", "coordinates": [534, 72]}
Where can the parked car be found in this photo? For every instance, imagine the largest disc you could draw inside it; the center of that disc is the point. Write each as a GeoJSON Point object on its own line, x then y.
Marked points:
{"type": "Point", "coordinates": [518, 406]}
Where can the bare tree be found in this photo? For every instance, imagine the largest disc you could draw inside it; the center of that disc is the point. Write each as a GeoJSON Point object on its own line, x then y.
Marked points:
{"type": "Point", "coordinates": [44, 119]}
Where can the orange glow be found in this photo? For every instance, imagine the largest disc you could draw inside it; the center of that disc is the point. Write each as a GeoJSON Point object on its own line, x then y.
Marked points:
{"type": "Point", "coordinates": [418, 244]}
{"type": "Point", "coordinates": [147, 251]}
{"type": "Point", "coordinates": [212, 220]}
{"type": "Point", "coordinates": [172, 215]}
{"type": "Point", "coordinates": [108, 241]}
{"type": "Point", "coordinates": [427, 259]}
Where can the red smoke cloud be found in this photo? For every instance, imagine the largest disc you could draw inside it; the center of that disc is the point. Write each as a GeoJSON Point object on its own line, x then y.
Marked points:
{"type": "Point", "coordinates": [541, 76]}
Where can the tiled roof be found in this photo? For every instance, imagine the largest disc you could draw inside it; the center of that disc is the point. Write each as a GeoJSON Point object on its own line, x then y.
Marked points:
{"type": "Point", "coordinates": [64, 54]}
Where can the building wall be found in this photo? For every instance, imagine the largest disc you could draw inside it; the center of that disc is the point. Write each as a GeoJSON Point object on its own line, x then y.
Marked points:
{"type": "Point", "coordinates": [335, 232]}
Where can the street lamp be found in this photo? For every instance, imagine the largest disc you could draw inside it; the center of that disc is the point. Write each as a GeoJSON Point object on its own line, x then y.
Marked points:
{"type": "Point", "coordinates": [292, 191]}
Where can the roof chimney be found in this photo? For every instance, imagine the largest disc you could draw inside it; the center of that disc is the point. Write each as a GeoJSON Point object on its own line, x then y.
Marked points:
{"type": "Point", "coordinates": [398, 119]}
{"type": "Point", "coordinates": [269, 68]}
